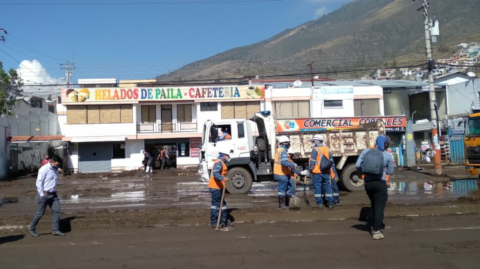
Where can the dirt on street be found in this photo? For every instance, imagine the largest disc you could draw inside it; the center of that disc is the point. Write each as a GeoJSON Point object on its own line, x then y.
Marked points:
{"type": "Point", "coordinates": [412, 242]}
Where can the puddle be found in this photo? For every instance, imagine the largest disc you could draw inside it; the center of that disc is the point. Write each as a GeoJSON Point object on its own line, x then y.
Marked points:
{"type": "Point", "coordinates": [456, 188]}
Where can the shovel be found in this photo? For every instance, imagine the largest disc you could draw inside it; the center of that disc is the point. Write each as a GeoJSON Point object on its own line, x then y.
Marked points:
{"type": "Point", "coordinates": [305, 190]}
{"type": "Point", "coordinates": [224, 229]}
{"type": "Point", "coordinates": [295, 201]}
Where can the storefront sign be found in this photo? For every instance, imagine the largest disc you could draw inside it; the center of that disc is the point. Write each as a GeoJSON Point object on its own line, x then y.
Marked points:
{"type": "Point", "coordinates": [322, 124]}
{"type": "Point", "coordinates": [195, 145]}
{"type": "Point", "coordinates": [318, 92]}
{"type": "Point", "coordinates": [92, 95]}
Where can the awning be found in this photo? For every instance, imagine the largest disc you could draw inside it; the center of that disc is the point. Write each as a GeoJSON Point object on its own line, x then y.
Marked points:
{"type": "Point", "coordinates": [98, 139]}
{"type": "Point", "coordinates": [34, 139]}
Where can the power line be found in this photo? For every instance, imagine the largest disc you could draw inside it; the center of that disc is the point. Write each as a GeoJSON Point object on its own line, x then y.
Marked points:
{"type": "Point", "coordinates": [25, 68]}
{"type": "Point", "coordinates": [141, 3]}
{"type": "Point", "coordinates": [10, 35]}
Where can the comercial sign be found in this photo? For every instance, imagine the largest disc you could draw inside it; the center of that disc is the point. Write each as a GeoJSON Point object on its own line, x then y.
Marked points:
{"type": "Point", "coordinates": [392, 124]}
{"type": "Point", "coordinates": [217, 93]}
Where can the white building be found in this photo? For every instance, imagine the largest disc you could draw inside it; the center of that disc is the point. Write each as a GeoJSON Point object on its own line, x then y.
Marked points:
{"type": "Point", "coordinates": [27, 135]}
{"type": "Point", "coordinates": [108, 127]}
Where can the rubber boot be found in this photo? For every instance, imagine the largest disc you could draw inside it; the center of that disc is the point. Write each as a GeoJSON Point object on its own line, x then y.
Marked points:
{"type": "Point", "coordinates": [281, 203]}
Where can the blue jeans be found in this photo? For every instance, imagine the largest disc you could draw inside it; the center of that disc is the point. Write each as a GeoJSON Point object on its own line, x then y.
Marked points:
{"type": "Point", "coordinates": [285, 186]}
{"type": "Point", "coordinates": [54, 203]}
{"type": "Point", "coordinates": [335, 192]}
{"type": "Point", "coordinates": [323, 189]}
{"type": "Point", "coordinates": [215, 208]}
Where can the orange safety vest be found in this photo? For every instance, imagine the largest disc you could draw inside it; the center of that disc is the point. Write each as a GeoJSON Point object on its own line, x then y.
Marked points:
{"type": "Point", "coordinates": [291, 172]}
{"type": "Point", "coordinates": [215, 183]}
{"type": "Point", "coordinates": [387, 177]}
{"type": "Point", "coordinates": [324, 152]}
{"type": "Point", "coordinates": [228, 136]}
{"type": "Point", "coordinates": [278, 169]}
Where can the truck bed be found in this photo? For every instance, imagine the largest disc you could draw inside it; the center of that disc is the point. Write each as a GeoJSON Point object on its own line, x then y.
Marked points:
{"type": "Point", "coordinates": [340, 142]}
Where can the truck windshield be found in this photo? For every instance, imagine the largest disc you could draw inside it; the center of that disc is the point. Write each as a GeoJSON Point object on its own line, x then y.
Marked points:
{"type": "Point", "coordinates": [473, 127]}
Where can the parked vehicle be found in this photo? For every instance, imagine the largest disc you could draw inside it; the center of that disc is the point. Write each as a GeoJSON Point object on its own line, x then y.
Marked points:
{"type": "Point", "coordinates": [472, 143]}
{"type": "Point", "coordinates": [254, 143]}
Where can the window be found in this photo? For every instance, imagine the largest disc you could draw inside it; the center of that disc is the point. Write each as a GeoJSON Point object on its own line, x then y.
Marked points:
{"type": "Point", "coordinates": [367, 107]}
{"type": "Point", "coordinates": [126, 114]}
{"type": "Point", "coordinates": [183, 149]}
{"type": "Point", "coordinates": [110, 114]}
{"type": "Point", "coordinates": [184, 113]}
{"type": "Point", "coordinates": [224, 132]}
{"type": "Point", "coordinates": [241, 129]}
{"type": "Point", "coordinates": [118, 151]}
{"type": "Point", "coordinates": [333, 103]}
{"type": "Point", "coordinates": [292, 109]}
{"type": "Point", "coordinates": [94, 114]}
{"type": "Point", "coordinates": [149, 114]}
{"type": "Point", "coordinates": [239, 110]}
{"type": "Point", "coordinates": [208, 106]}
{"type": "Point", "coordinates": [76, 114]}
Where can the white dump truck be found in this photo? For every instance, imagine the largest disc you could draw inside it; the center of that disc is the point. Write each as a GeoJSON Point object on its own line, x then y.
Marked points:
{"type": "Point", "coordinates": [253, 142]}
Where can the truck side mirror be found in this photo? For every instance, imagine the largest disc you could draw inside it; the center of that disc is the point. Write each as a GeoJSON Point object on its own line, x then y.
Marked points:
{"type": "Point", "coordinates": [213, 134]}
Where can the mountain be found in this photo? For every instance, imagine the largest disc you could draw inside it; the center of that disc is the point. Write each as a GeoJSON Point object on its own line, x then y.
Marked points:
{"type": "Point", "coordinates": [364, 34]}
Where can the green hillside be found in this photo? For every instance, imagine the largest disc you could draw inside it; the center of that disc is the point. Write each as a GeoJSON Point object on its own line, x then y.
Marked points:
{"type": "Point", "coordinates": [363, 34]}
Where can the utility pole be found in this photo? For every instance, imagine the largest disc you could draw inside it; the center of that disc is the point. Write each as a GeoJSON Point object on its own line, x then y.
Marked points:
{"type": "Point", "coordinates": [437, 160]}
{"type": "Point", "coordinates": [311, 72]}
{"type": "Point", "coordinates": [68, 67]}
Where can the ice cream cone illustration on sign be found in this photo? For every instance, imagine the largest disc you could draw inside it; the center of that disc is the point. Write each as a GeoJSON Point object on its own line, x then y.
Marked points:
{"type": "Point", "coordinates": [72, 95]}
{"type": "Point", "coordinates": [83, 95]}
{"type": "Point", "coordinates": [254, 92]}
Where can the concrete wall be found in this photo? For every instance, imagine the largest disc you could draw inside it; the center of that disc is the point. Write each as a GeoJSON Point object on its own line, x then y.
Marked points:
{"type": "Point", "coordinates": [460, 97]}
{"type": "Point", "coordinates": [396, 103]}
{"type": "Point", "coordinates": [29, 121]}
{"type": "Point", "coordinates": [3, 152]}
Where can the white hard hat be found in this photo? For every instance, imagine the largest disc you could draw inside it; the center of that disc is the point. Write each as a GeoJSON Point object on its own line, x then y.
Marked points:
{"type": "Point", "coordinates": [318, 137]}
{"type": "Point", "coordinates": [283, 139]}
{"type": "Point", "coordinates": [290, 151]}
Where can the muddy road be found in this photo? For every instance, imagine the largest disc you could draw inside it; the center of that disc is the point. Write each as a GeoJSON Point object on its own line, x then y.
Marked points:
{"type": "Point", "coordinates": [414, 242]}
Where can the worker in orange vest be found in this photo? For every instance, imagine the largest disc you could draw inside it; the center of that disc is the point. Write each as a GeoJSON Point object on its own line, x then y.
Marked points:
{"type": "Point", "coordinates": [217, 182]}
{"type": "Point", "coordinates": [282, 170]}
{"type": "Point", "coordinates": [321, 163]}
{"type": "Point", "coordinates": [224, 136]}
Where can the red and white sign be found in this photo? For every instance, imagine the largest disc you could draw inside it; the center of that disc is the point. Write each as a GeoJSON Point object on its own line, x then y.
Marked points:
{"type": "Point", "coordinates": [195, 145]}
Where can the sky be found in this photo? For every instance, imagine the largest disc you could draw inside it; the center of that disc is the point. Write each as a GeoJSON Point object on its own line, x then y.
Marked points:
{"type": "Point", "coordinates": [139, 40]}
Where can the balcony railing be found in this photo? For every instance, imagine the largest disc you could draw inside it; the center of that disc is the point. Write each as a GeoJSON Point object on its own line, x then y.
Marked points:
{"type": "Point", "coordinates": [180, 127]}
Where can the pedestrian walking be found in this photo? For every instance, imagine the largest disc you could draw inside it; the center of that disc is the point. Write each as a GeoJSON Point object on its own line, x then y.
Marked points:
{"type": "Point", "coordinates": [163, 157]}
{"type": "Point", "coordinates": [376, 164]}
{"type": "Point", "coordinates": [216, 185]}
{"type": "Point", "coordinates": [147, 161]}
{"type": "Point", "coordinates": [282, 170]}
{"type": "Point", "coordinates": [47, 196]}
{"type": "Point", "coordinates": [322, 168]}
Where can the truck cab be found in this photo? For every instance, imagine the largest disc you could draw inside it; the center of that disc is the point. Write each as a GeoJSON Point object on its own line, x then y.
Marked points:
{"type": "Point", "coordinates": [249, 148]}
{"type": "Point", "coordinates": [472, 143]}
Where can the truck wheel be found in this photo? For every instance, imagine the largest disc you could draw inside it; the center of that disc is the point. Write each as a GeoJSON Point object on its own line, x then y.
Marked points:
{"type": "Point", "coordinates": [351, 179]}
{"type": "Point", "coordinates": [240, 181]}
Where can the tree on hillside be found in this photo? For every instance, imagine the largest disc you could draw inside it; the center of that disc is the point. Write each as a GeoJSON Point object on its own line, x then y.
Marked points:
{"type": "Point", "coordinates": [10, 84]}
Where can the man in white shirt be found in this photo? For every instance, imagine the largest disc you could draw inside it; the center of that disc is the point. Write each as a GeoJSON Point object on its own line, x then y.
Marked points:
{"type": "Point", "coordinates": [47, 192]}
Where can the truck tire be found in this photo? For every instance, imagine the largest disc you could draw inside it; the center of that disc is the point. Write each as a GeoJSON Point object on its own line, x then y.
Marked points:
{"type": "Point", "coordinates": [240, 181]}
{"type": "Point", "coordinates": [351, 179]}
